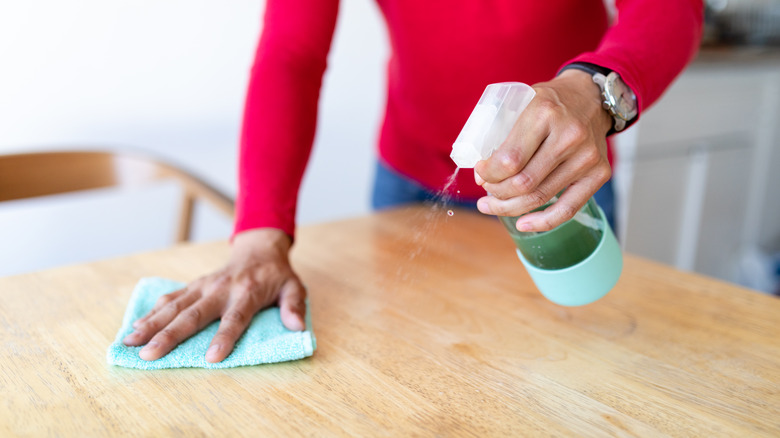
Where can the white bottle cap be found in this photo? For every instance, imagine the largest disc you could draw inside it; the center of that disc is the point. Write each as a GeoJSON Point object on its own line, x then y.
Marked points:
{"type": "Point", "coordinates": [490, 122]}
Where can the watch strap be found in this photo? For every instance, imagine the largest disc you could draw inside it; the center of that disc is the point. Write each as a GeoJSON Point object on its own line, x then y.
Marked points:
{"type": "Point", "coordinates": [587, 67]}
{"type": "Point", "coordinates": [594, 69]}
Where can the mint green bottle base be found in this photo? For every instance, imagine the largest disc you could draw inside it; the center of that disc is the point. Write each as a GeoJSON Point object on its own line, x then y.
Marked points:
{"type": "Point", "coordinates": [585, 282]}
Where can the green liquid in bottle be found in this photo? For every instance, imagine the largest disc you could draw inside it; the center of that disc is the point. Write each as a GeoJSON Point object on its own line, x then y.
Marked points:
{"type": "Point", "coordinates": [566, 245]}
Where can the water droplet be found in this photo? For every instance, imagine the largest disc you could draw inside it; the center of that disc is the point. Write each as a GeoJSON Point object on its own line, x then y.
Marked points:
{"type": "Point", "coordinates": [458, 191]}
{"type": "Point", "coordinates": [450, 212]}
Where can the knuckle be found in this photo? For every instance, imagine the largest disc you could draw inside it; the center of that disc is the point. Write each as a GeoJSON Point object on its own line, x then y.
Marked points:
{"type": "Point", "coordinates": [497, 191]}
{"type": "Point", "coordinates": [242, 294]}
{"type": "Point", "coordinates": [508, 163]}
{"type": "Point", "coordinates": [192, 316]}
{"type": "Point", "coordinates": [603, 174]}
{"type": "Point", "coordinates": [566, 211]}
{"type": "Point", "coordinates": [234, 317]}
{"type": "Point", "coordinates": [522, 182]}
{"type": "Point", "coordinates": [547, 107]}
{"type": "Point", "coordinates": [538, 198]}
{"type": "Point", "coordinates": [215, 285]}
{"type": "Point", "coordinates": [172, 307]}
{"type": "Point", "coordinates": [547, 224]}
{"type": "Point", "coordinates": [166, 336]}
{"type": "Point", "coordinates": [547, 112]}
{"type": "Point", "coordinates": [563, 213]}
{"type": "Point", "coordinates": [144, 327]}
{"type": "Point", "coordinates": [575, 132]}
{"type": "Point", "coordinates": [149, 326]}
{"type": "Point", "coordinates": [245, 282]}
{"type": "Point", "coordinates": [218, 280]}
{"type": "Point", "coordinates": [591, 157]}
{"type": "Point", "coordinates": [570, 146]}
{"type": "Point", "coordinates": [163, 300]}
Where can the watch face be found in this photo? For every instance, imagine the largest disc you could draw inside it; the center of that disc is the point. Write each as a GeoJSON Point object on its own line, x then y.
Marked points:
{"type": "Point", "coordinates": [621, 98]}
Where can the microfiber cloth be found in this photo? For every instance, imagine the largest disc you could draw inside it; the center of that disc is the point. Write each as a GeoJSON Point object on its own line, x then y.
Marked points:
{"type": "Point", "coordinates": [265, 341]}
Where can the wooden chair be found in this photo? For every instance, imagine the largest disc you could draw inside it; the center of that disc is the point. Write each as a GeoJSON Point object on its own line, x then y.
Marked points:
{"type": "Point", "coordinates": [49, 173]}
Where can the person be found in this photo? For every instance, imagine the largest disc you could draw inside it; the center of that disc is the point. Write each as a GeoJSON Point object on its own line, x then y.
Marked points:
{"type": "Point", "coordinates": [443, 55]}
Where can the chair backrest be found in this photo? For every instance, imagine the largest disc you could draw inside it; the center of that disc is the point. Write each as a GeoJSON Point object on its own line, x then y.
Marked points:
{"type": "Point", "coordinates": [49, 173]}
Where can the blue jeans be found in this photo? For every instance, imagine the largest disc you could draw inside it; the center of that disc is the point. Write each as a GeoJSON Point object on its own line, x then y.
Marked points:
{"type": "Point", "coordinates": [392, 189]}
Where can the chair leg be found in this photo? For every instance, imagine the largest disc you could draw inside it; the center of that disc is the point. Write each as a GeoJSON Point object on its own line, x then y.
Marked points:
{"type": "Point", "coordinates": [184, 231]}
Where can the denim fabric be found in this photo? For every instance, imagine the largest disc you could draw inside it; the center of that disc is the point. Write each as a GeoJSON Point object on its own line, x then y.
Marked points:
{"type": "Point", "coordinates": [605, 198]}
{"type": "Point", "coordinates": [392, 189]}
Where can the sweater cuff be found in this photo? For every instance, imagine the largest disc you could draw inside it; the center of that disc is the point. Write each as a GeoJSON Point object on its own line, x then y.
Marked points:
{"type": "Point", "coordinates": [245, 222]}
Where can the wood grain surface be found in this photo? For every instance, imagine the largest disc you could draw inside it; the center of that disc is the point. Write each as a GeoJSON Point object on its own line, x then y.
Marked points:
{"type": "Point", "coordinates": [427, 325]}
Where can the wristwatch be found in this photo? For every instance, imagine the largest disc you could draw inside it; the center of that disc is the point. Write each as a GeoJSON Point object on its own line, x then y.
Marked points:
{"type": "Point", "coordinates": [618, 99]}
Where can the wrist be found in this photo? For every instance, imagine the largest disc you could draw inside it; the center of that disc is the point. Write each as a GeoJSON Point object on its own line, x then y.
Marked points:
{"type": "Point", "coordinates": [261, 241]}
{"type": "Point", "coordinates": [591, 92]}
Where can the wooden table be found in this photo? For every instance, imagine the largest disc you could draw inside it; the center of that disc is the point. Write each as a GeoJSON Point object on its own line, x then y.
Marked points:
{"type": "Point", "coordinates": [427, 325]}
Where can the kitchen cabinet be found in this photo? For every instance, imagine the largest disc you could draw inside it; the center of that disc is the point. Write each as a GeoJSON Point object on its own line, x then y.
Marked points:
{"type": "Point", "coordinates": [697, 176]}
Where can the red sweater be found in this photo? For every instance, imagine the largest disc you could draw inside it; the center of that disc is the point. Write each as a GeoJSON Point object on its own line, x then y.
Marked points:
{"type": "Point", "coordinates": [444, 53]}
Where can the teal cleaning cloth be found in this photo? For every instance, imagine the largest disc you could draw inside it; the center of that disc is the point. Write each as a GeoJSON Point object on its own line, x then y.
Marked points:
{"type": "Point", "coordinates": [265, 341]}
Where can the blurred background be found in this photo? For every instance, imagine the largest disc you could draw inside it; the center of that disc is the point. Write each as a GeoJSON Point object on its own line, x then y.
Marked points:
{"type": "Point", "coordinates": [166, 78]}
{"type": "Point", "coordinates": [696, 177]}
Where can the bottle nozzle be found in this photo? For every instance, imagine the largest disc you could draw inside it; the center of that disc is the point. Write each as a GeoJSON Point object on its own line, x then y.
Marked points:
{"type": "Point", "coordinates": [490, 122]}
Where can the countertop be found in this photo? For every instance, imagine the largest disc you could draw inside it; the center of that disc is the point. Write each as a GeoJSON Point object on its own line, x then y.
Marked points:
{"type": "Point", "coordinates": [427, 325]}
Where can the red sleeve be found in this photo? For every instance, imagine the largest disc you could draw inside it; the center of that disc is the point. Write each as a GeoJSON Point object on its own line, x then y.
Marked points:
{"type": "Point", "coordinates": [280, 113]}
{"type": "Point", "coordinates": [649, 44]}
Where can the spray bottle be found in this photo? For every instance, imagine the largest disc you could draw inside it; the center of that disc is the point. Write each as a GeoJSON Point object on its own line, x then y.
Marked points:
{"type": "Point", "coordinates": [574, 264]}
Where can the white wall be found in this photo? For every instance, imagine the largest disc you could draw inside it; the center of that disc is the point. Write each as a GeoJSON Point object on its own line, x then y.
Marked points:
{"type": "Point", "coordinates": [167, 77]}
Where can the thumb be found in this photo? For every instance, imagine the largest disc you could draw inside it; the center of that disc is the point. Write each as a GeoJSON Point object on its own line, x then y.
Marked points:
{"type": "Point", "coordinates": [292, 305]}
{"type": "Point", "coordinates": [477, 178]}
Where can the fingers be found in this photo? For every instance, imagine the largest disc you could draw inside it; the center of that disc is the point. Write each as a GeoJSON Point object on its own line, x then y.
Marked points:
{"type": "Point", "coordinates": [252, 280]}
{"type": "Point", "coordinates": [292, 305]}
{"type": "Point", "coordinates": [233, 324]}
{"type": "Point", "coordinates": [168, 309]}
{"type": "Point", "coordinates": [162, 301]}
{"type": "Point", "coordinates": [556, 144]}
{"type": "Point", "coordinates": [521, 204]}
{"type": "Point", "coordinates": [528, 132]}
{"type": "Point", "coordinates": [188, 322]}
{"type": "Point", "coordinates": [570, 145]}
{"type": "Point", "coordinates": [572, 200]}
{"type": "Point", "coordinates": [589, 170]}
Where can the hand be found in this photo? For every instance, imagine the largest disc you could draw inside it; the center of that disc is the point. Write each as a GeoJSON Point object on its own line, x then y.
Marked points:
{"type": "Point", "coordinates": [558, 142]}
{"type": "Point", "coordinates": [258, 275]}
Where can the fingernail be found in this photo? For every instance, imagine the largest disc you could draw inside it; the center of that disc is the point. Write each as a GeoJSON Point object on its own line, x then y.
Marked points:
{"type": "Point", "coordinates": [146, 352]}
{"type": "Point", "coordinates": [483, 206]}
{"type": "Point", "coordinates": [524, 226]}
{"type": "Point", "coordinates": [211, 353]}
{"type": "Point", "coordinates": [131, 337]}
